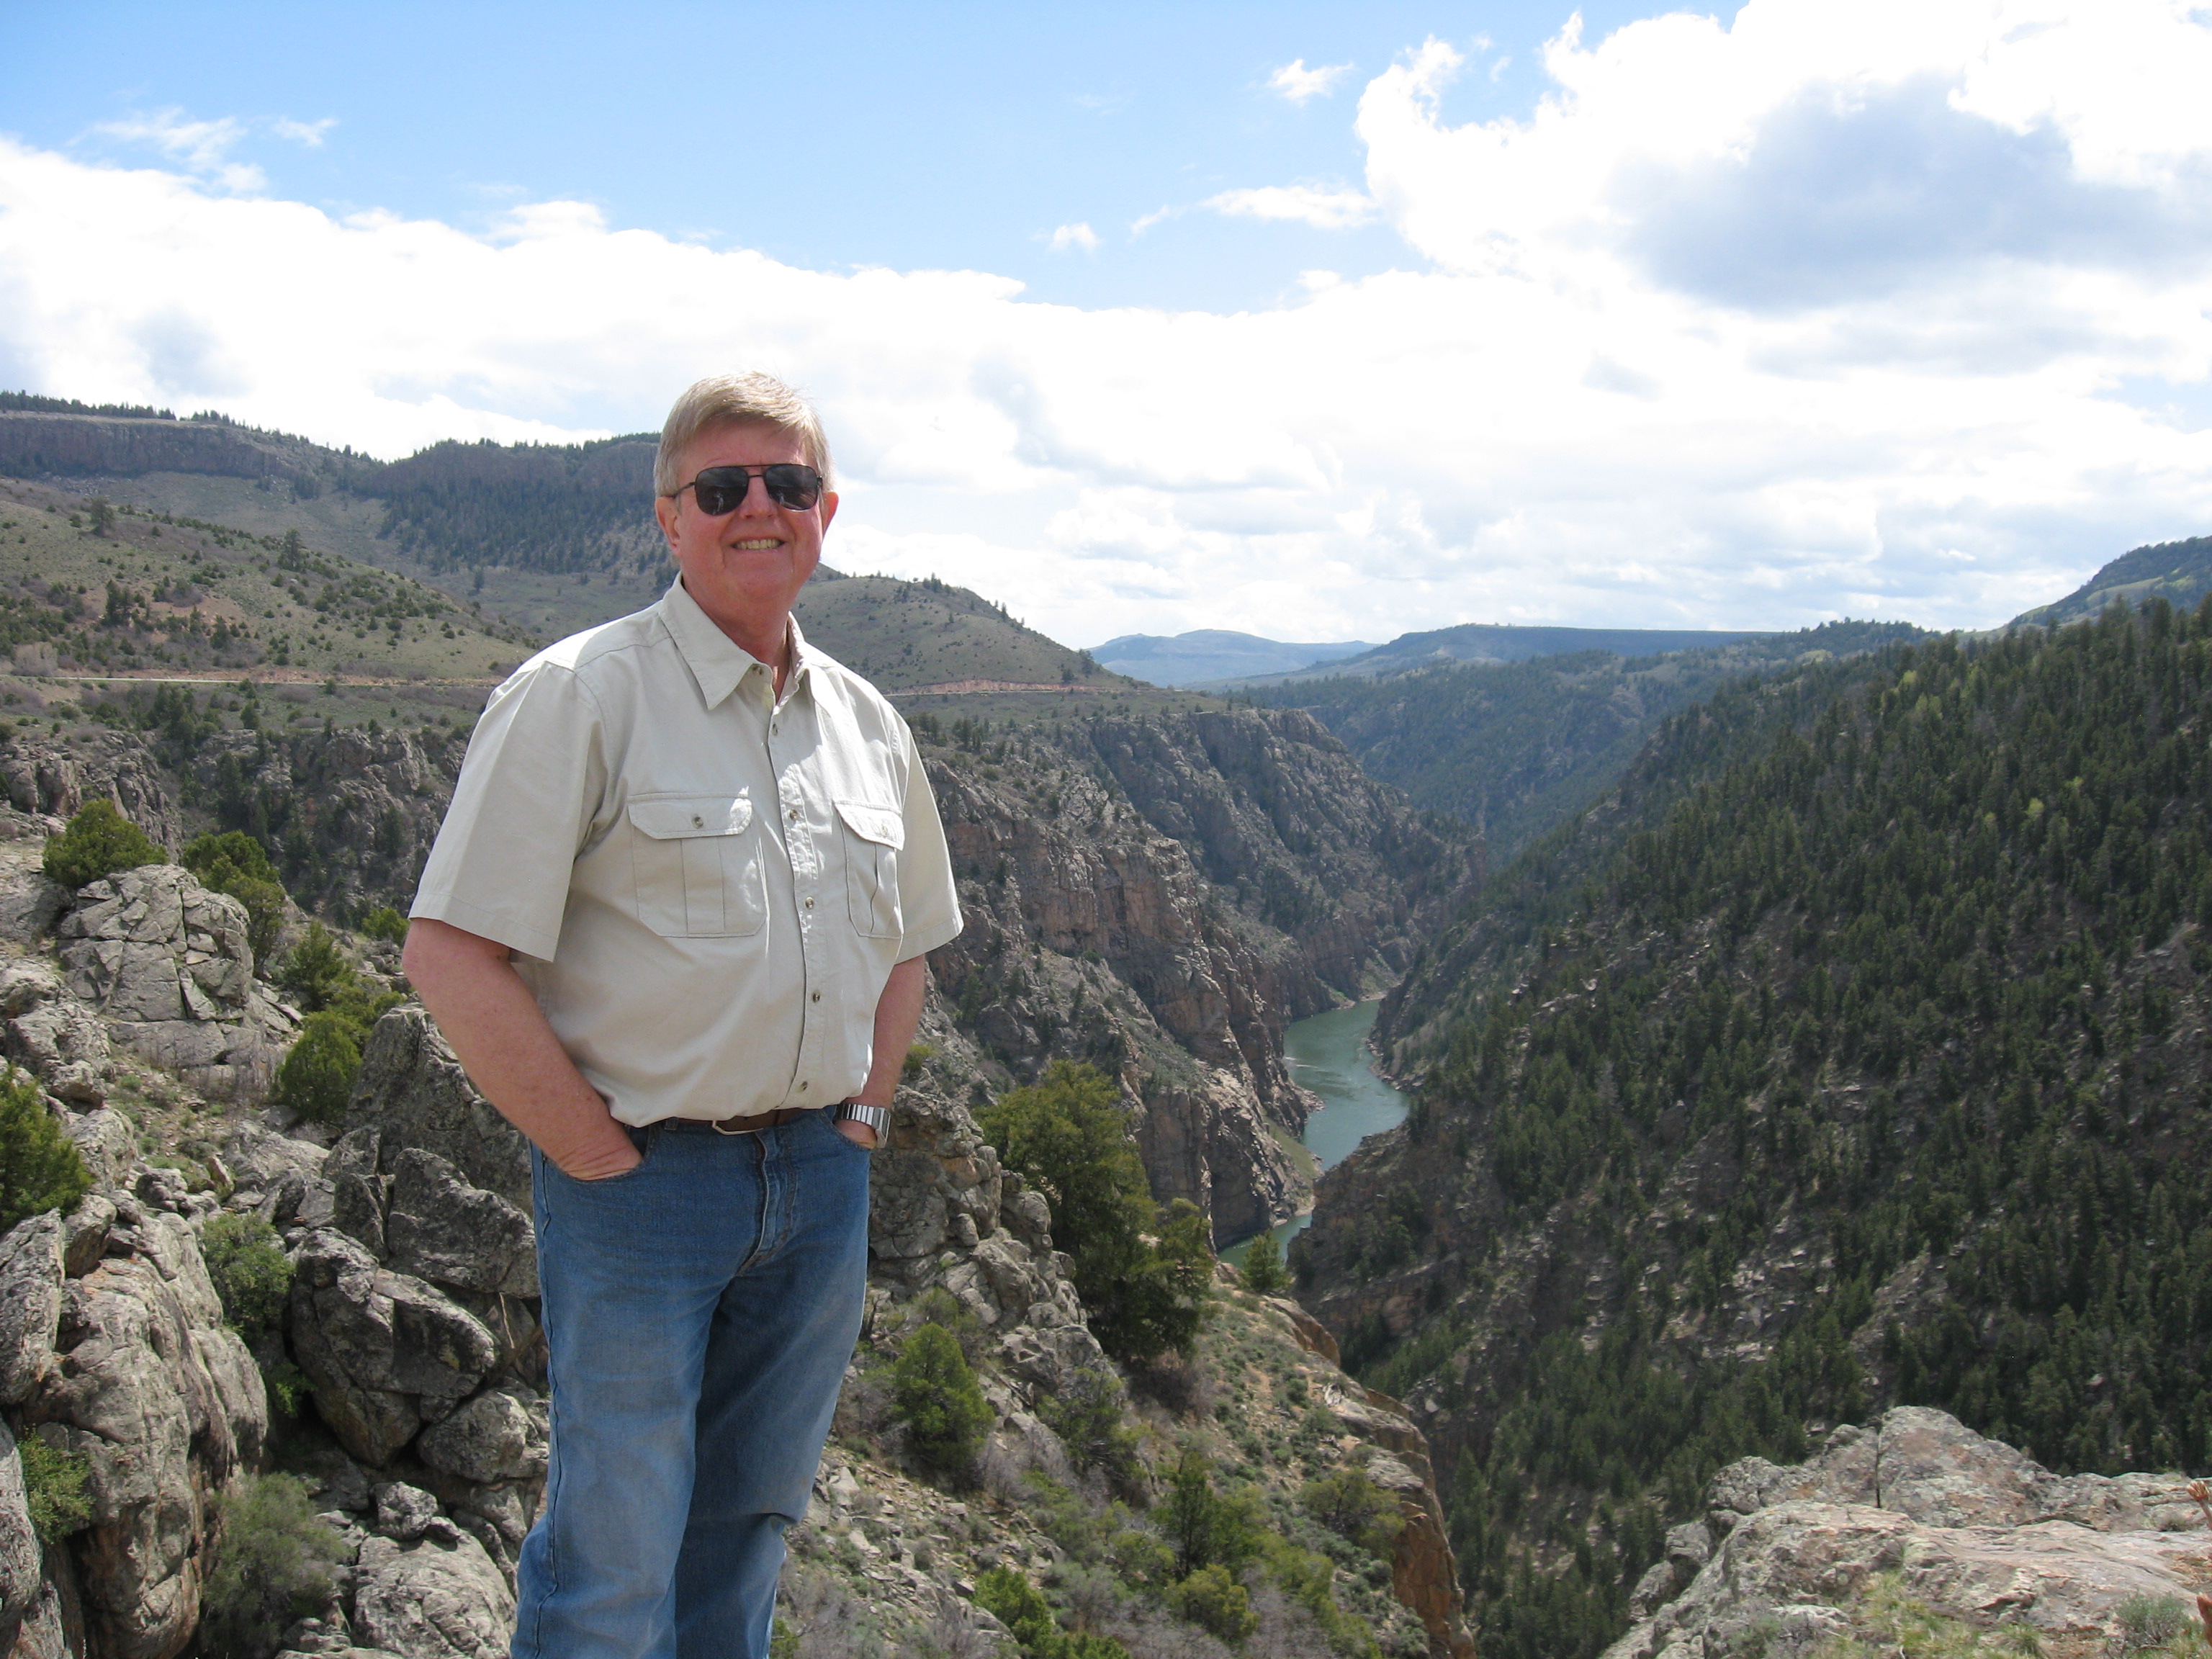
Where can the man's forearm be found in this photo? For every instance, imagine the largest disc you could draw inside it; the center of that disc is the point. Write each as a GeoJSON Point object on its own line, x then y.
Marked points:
{"type": "Point", "coordinates": [510, 1052]}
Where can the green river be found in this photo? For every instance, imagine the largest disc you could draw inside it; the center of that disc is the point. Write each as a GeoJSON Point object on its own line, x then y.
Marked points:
{"type": "Point", "coordinates": [1329, 1056]}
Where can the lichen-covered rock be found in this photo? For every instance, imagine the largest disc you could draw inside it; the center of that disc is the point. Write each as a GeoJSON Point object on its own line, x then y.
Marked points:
{"type": "Point", "coordinates": [30, 1304]}
{"type": "Point", "coordinates": [936, 1172]}
{"type": "Point", "coordinates": [441, 1228]}
{"type": "Point", "coordinates": [165, 1404]}
{"type": "Point", "coordinates": [104, 1140]}
{"type": "Point", "coordinates": [434, 1599]}
{"type": "Point", "coordinates": [51, 779]}
{"type": "Point", "coordinates": [30, 904]}
{"type": "Point", "coordinates": [20, 1562]}
{"type": "Point", "coordinates": [1976, 1529]}
{"type": "Point", "coordinates": [500, 1435]}
{"type": "Point", "coordinates": [384, 1352]}
{"type": "Point", "coordinates": [413, 1092]}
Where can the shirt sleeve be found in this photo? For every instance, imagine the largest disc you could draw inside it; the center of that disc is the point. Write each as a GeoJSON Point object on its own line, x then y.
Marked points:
{"type": "Point", "coordinates": [530, 793]}
{"type": "Point", "coordinates": [927, 900]}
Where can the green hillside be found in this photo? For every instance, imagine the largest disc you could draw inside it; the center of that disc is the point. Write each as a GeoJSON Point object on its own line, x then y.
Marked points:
{"type": "Point", "coordinates": [1516, 748]}
{"type": "Point", "coordinates": [905, 634]}
{"type": "Point", "coordinates": [116, 590]}
{"type": "Point", "coordinates": [1853, 1052]}
{"type": "Point", "coordinates": [2180, 572]}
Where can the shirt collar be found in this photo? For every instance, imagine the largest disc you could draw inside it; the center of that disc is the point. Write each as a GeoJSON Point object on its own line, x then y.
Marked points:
{"type": "Point", "coordinates": [718, 663]}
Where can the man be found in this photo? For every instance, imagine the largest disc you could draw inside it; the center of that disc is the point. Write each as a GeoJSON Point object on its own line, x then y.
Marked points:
{"type": "Point", "coordinates": [674, 926]}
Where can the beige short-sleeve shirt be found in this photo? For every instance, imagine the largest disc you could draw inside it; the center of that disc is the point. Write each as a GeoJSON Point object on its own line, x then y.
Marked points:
{"type": "Point", "coordinates": [706, 888]}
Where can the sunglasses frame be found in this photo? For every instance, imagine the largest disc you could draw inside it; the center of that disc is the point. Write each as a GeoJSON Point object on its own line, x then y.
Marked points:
{"type": "Point", "coordinates": [717, 478]}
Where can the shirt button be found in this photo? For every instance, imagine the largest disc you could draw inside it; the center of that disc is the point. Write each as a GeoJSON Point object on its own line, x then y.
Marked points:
{"type": "Point", "coordinates": [816, 997]}
{"type": "Point", "coordinates": [810, 904]}
{"type": "Point", "coordinates": [792, 814]}
{"type": "Point", "coordinates": [802, 1088]}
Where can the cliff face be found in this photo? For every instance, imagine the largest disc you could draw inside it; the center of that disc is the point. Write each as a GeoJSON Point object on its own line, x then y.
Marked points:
{"type": "Point", "coordinates": [1158, 897]}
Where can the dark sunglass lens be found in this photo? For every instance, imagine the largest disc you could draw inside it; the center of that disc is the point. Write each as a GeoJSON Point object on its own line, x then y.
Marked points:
{"type": "Point", "coordinates": [795, 487]}
{"type": "Point", "coordinates": [715, 499]}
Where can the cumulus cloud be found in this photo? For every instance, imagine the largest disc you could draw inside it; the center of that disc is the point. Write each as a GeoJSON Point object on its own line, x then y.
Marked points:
{"type": "Point", "coordinates": [1311, 205]}
{"type": "Point", "coordinates": [1878, 308]}
{"type": "Point", "coordinates": [205, 147]}
{"type": "Point", "coordinates": [1076, 236]}
{"type": "Point", "coordinates": [1300, 85]}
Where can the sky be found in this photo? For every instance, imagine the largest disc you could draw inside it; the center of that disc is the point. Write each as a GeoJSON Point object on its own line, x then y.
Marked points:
{"type": "Point", "coordinates": [1314, 321]}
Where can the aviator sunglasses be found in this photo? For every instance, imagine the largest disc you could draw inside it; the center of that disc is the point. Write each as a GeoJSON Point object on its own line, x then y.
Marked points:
{"type": "Point", "coordinates": [721, 489]}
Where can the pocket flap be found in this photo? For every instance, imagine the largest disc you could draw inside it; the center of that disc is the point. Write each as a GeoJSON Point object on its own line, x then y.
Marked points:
{"type": "Point", "coordinates": [884, 825]}
{"type": "Point", "coordinates": [678, 818]}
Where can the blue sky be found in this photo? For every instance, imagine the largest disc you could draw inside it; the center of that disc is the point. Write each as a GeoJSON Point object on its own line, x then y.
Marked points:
{"type": "Point", "coordinates": [1321, 322]}
{"type": "Point", "coordinates": [830, 136]}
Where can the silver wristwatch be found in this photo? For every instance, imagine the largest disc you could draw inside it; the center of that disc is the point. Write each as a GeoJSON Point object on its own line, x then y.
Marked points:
{"type": "Point", "coordinates": [877, 1118]}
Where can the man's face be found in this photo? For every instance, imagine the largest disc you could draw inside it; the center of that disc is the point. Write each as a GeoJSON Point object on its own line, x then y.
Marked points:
{"type": "Point", "coordinates": [743, 568]}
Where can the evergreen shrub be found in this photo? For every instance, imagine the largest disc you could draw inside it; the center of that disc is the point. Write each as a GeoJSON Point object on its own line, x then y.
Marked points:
{"type": "Point", "coordinates": [936, 1396]}
{"type": "Point", "coordinates": [317, 1075]}
{"type": "Point", "coordinates": [1264, 1273]}
{"type": "Point", "coordinates": [39, 1167]}
{"type": "Point", "coordinates": [97, 841]}
{"type": "Point", "coordinates": [1015, 1602]}
{"type": "Point", "coordinates": [272, 1565]}
{"type": "Point", "coordinates": [252, 1273]}
{"type": "Point", "coordinates": [1215, 1602]}
{"type": "Point", "coordinates": [1143, 1277]}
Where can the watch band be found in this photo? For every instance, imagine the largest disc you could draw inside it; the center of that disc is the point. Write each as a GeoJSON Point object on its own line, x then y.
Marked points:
{"type": "Point", "coordinates": [877, 1118]}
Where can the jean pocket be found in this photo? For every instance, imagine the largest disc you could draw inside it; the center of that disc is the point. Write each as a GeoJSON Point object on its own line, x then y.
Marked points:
{"type": "Point", "coordinates": [641, 1139]}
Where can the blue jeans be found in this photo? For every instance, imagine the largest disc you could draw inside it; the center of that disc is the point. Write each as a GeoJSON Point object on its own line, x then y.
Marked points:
{"type": "Point", "coordinates": [699, 1313]}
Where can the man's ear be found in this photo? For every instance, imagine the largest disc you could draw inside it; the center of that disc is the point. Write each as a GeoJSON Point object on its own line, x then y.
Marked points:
{"type": "Point", "coordinates": [665, 508]}
{"type": "Point", "coordinates": [829, 506]}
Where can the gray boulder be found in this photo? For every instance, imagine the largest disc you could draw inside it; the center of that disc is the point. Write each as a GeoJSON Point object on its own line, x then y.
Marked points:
{"type": "Point", "coordinates": [384, 1352]}
{"type": "Point", "coordinates": [414, 1092]}
{"type": "Point", "coordinates": [20, 1579]}
{"type": "Point", "coordinates": [30, 1306]}
{"type": "Point", "coordinates": [439, 1227]}
{"type": "Point", "coordinates": [436, 1599]}
{"type": "Point", "coordinates": [498, 1435]}
{"type": "Point", "coordinates": [30, 904]}
{"type": "Point", "coordinates": [935, 1185]}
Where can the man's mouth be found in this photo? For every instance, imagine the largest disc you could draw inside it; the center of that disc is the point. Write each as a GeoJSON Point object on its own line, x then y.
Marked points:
{"type": "Point", "coordinates": [757, 544]}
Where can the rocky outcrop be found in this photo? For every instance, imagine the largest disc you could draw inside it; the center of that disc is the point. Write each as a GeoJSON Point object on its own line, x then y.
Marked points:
{"type": "Point", "coordinates": [165, 964]}
{"type": "Point", "coordinates": [49, 778]}
{"type": "Point", "coordinates": [413, 1093]}
{"type": "Point", "coordinates": [1968, 1526]}
{"type": "Point", "coordinates": [145, 1381]}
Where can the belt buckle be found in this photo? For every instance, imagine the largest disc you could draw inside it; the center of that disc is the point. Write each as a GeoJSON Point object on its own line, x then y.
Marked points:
{"type": "Point", "coordinates": [757, 1126]}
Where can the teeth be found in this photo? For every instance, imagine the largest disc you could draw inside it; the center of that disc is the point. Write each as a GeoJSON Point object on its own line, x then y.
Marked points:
{"type": "Point", "coordinates": [756, 546]}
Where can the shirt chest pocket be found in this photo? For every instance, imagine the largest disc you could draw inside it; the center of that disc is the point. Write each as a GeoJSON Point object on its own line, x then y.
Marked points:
{"type": "Point", "coordinates": [873, 836]}
{"type": "Point", "coordinates": [696, 863]}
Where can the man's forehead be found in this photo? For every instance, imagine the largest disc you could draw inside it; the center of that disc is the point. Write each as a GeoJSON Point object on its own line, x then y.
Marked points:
{"type": "Point", "coordinates": [753, 442]}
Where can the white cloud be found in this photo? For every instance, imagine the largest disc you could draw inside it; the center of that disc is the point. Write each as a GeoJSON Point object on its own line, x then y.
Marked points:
{"type": "Point", "coordinates": [1076, 236]}
{"type": "Point", "coordinates": [1310, 205]}
{"type": "Point", "coordinates": [1877, 309]}
{"type": "Point", "coordinates": [1299, 83]}
{"type": "Point", "coordinates": [309, 133]}
{"type": "Point", "coordinates": [203, 146]}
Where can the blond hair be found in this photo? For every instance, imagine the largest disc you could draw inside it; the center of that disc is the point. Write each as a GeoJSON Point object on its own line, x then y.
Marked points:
{"type": "Point", "coordinates": [748, 399]}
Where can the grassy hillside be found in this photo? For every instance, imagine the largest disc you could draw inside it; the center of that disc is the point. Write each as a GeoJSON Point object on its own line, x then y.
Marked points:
{"type": "Point", "coordinates": [136, 592]}
{"type": "Point", "coordinates": [905, 635]}
{"type": "Point", "coordinates": [1854, 1052]}
{"type": "Point", "coordinates": [2180, 572]}
{"type": "Point", "coordinates": [1493, 643]}
{"type": "Point", "coordinates": [1514, 749]}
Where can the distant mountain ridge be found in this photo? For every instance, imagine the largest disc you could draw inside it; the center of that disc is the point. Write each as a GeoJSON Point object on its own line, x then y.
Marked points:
{"type": "Point", "coordinates": [1208, 655]}
{"type": "Point", "coordinates": [1507, 643]}
{"type": "Point", "coordinates": [2179, 572]}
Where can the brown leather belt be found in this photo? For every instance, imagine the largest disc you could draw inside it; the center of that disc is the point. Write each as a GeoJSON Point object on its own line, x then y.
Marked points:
{"type": "Point", "coordinates": [737, 1126]}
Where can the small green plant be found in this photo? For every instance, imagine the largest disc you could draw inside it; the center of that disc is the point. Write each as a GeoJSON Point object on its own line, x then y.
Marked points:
{"type": "Point", "coordinates": [1264, 1273]}
{"type": "Point", "coordinates": [1089, 1413]}
{"type": "Point", "coordinates": [97, 841]}
{"type": "Point", "coordinates": [236, 864]}
{"type": "Point", "coordinates": [39, 1167]}
{"type": "Point", "coordinates": [1216, 1603]}
{"type": "Point", "coordinates": [53, 1489]}
{"type": "Point", "coordinates": [2151, 1623]}
{"type": "Point", "coordinates": [272, 1565]}
{"type": "Point", "coordinates": [936, 1395]}
{"type": "Point", "coordinates": [918, 1055]}
{"type": "Point", "coordinates": [1205, 1527]}
{"type": "Point", "coordinates": [1017, 1604]}
{"type": "Point", "coordinates": [314, 973]}
{"type": "Point", "coordinates": [253, 1275]}
{"type": "Point", "coordinates": [385, 923]}
{"type": "Point", "coordinates": [316, 1079]}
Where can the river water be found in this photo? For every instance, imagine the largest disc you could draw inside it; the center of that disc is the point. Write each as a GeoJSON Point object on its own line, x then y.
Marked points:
{"type": "Point", "coordinates": [1328, 1055]}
